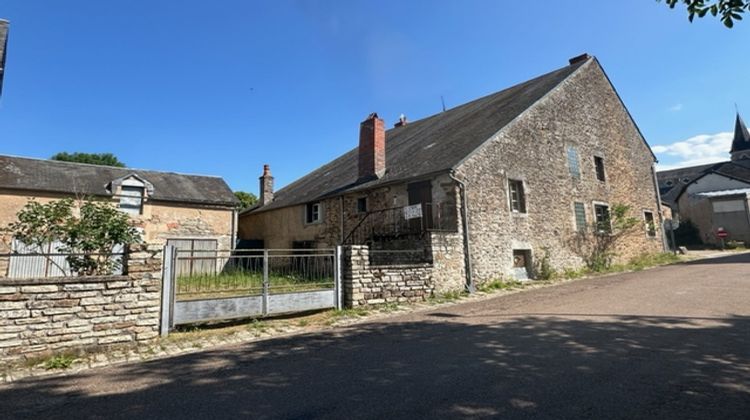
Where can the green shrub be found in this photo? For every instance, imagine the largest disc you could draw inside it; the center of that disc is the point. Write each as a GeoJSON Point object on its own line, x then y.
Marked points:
{"type": "Point", "coordinates": [61, 361]}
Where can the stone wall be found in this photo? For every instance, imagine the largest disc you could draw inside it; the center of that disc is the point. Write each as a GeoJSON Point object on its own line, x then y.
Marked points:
{"type": "Point", "coordinates": [364, 284]}
{"type": "Point", "coordinates": [43, 316]}
{"type": "Point", "coordinates": [583, 112]}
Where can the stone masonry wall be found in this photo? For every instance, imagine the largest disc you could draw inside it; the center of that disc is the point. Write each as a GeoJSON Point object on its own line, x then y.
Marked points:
{"type": "Point", "coordinates": [583, 112]}
{"type": "Point", "coordinates": [365, 284]}
{"type": "Point", "coordinates": [42, 316]}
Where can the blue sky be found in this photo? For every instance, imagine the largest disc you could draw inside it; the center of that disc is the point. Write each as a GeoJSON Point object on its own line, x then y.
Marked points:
{"type": "Point", "coordinates": [223, 87]}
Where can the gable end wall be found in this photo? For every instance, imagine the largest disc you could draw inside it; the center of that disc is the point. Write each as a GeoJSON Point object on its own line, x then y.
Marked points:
{"type": "Point", "coordinates": [583, 111]}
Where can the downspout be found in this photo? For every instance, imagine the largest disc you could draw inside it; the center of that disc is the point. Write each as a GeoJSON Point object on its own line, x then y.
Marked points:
{"type": "Point", "coordinates": [664, 243]}
{"type": "Point", "coordinates": [233, 234]}
{"type": "Point", "coordinates": [465, 223]}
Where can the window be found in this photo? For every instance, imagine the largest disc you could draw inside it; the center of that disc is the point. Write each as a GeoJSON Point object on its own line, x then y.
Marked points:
{"type": "Point", "coordinates": [580, 213]}
{"type": "Point", "coordinates": [362, 205]}
{"type": "Point", "coordinates": [312, 213]}
{"type": "Point", "coordinates": [517, 198]}
{"type": "Point", "coordinates": [599, 163]}
{"type": "Point", "coordinates": [650, 226]}
{"type": "Point", "coordinates": [573, 166]}
{"type": "Point", "coordinates": [669, 183]}
{"type": "Point", "coordinates": [131, 199]}
{"type": "Point", "coordinates": [601, 211]}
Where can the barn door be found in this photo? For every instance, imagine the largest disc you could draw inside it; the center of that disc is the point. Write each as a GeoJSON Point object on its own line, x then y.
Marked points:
{"type": "Point", "coordinates": [421, 193]}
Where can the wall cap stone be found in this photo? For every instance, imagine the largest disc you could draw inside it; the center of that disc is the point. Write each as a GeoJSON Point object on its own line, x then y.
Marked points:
{"type": "Point", "coordinates": [61, 280]}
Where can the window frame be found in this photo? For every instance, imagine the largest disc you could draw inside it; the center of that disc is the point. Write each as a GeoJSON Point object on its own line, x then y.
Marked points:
{"type": "Point", "coordinates": [520, 200]}
{"type": "Point", "coordinates": [600, 170]}
{"type": "Point", "coordinates": [131, 208]}
{"type": "Point", "coordinates": [570, 161]}
{"type": "Point", "coordinates": [580, 227]}
{"type": "Point", "coordinates": [601, 228]}
{"type": "Point", "coordinates": [650, 229]}
{"type": "Point", "coordinates": [313, 213]}
{"type": "Point", "coordinates": [362, 205]}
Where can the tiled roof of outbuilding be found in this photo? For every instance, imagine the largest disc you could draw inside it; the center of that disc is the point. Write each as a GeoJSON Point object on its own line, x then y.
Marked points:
{"type": "Point", "coordinates": [77, 178]}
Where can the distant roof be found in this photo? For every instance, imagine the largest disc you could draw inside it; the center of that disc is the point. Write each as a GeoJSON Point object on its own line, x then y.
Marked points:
{"type": "Point", "coordinates": [737, 169]}
{"type": "Point", "coordinates": [725, 193]}
{"type": "Point", "coordinates": [428, 146]}
{"type": "Point", "coordinates": [3, 47]}
{"type": "Point", "coordinates": [79, 178]}
{"type": "Point", "coordinates": [741, 140]}
{"type": "Point", "coordinates": [671, 182]}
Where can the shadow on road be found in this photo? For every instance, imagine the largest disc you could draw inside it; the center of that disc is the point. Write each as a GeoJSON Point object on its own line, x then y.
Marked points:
{"type": "Point", "coordinates": [523, 366]}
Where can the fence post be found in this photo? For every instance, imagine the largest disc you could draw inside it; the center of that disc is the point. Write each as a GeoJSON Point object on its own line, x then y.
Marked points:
{"type": "Point", "coordinates": [265, 282]}
{"type": "Point", "coordinates": [169, 255]}
{"type": "Point", "coordinates": [337, 276]}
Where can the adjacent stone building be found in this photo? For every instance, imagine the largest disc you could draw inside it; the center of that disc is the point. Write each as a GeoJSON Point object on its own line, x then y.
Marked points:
{"type": "Point", "coordinates": [483, 190]}
{"type": "Point", "coordinates": [715, 197]}
{"type": "Point", "coordinates": [190, 211]}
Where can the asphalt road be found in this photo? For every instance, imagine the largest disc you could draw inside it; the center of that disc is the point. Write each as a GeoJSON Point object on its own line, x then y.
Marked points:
{"type": "Point", "coordinates": [672, 342]}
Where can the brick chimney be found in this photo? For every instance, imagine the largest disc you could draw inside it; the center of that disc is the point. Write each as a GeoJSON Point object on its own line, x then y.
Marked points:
{"type": "Point", "coordinates": [266, 186]}
{"type": "Point", "coordinates": [372, 147]}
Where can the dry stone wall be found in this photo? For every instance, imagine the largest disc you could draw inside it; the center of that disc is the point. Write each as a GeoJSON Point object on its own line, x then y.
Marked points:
{"type": "Point", "coordinates": [42, 316]}
{"type": "Point", "coordinates": [365, 284]}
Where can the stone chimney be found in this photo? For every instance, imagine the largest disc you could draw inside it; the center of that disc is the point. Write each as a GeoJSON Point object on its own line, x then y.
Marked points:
{"type": "Point", "coordinates": [401, 121]}
{"type": "Point", "coordinates": [266, 186]}
{"type": "Point", "coordinates": [577, 59]}
{"type": "Point", "coordinates": [372, 147]}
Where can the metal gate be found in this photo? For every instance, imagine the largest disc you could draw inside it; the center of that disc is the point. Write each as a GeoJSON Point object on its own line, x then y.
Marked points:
{"type": "Point", "coordinates": [214, 285]}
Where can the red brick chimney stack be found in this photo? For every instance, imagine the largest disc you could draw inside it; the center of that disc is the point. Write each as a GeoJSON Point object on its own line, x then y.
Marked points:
{"type": "Point", "coordinates": [266, 186]}
{"type": "Point", "coordinates": [372, 147]}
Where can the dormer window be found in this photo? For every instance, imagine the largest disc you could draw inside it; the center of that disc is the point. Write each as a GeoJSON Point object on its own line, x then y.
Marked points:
{"type": "Point", "coordinates": [131, 191]}
{"type": "Point", "coordinates": [131, 199]}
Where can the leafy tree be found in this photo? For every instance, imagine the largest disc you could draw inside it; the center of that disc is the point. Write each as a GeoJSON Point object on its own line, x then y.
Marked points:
{"type": "Point", "coordinates": [727, 10]}
{"type": "Point", "coordinates": [88, 237]}
{"type": "Point", "coordinates": [247, 199]}
{"type": "Point", "coordinates": [597, 245]}
{"type": "Point", "coordinates": [106, 159]}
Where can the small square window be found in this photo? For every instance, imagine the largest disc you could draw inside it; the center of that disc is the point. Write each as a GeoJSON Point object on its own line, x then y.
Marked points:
{"type": "Point", "coordinates": [517, 196]}
{"type": "Point", "coordinates": [312, 213]}
{"type": "Point", "coordinates": [603, 224]}
{"type": "Point", "coordinates": [131, 199]}
{"type": "Point", "coordinates": [650, 225]}
{"type": "Point", "coordinates": [599, 163]}
{"type": "Point", "coordinates": [573, 166]}
{"type": "Point", "coordinates": [362, 205]}
{"type": "Point", "coordinates": [580, 213]}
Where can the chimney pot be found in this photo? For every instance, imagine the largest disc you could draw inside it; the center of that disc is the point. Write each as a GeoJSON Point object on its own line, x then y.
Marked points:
{"type": "Point", "coordinates": [266, 186]}
{"type": "Point", "coordinates": [401, 121]}
{"type": "Point", "coordinates": [372, 147]}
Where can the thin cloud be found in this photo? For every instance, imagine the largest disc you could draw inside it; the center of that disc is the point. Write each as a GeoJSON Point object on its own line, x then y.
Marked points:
{"type": "Point", "coordinates": [698, 150]}
{"type": "Point", "coordinates": [675, 108]}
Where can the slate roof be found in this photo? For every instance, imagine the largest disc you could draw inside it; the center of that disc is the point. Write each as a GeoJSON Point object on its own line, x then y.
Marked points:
{"type": "Point", "coordinates": [428, 146]}
{"type": "Point", "coordinates": [678, 179]}
{"type": "Point", "coordinates": [736, 169]}
{"type": "Point", "coordinates": [77, 178]}
{"type": "Point", "coordinates": [741, 140]}
{"type": "Point", "coordinates": [3, 47]}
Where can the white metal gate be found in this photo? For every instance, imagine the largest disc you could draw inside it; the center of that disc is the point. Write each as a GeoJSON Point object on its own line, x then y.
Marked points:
{"type": "Point", "coordinates": [214, 285]}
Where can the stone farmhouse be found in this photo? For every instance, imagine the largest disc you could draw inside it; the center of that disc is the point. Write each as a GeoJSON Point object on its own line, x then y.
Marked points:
{"type": "Point", "coordinates": [716, 196]}
{"type": "Point", "coordinates": [482, 190]}
{"type": "Point", "coordinates": [189, 211]}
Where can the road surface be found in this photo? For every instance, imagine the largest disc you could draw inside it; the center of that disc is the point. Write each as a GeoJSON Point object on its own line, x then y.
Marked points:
{"type": "Point", "coordinates": [672, 342]}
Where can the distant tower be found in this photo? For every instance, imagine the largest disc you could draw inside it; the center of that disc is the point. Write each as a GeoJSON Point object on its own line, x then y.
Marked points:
{"type": "Point", "coordinates": [741, 142]}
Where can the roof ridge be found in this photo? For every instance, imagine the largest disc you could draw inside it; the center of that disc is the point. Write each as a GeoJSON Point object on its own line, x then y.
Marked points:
{"type": "Point", "coordinates": [420, 122]}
